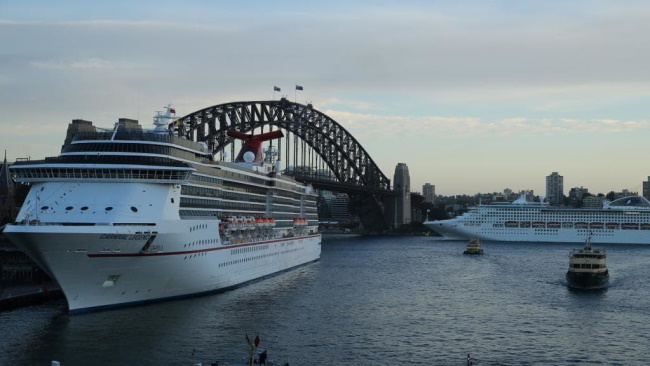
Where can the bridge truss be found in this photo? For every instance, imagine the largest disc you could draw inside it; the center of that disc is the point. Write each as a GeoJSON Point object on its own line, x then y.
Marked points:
{"type": "Point", "coordinates": [330, 144]}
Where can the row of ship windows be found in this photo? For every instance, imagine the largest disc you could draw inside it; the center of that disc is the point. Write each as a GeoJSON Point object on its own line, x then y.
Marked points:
{"type": "Point", "coordinates": [587, 266]}
{"type": "Point", "coordinates": [600, 256]}
{"type": "Point", "coordinates": [610, 215]}
{"type": "Point", "coordinates": [201, 242]}
{"type": "Point", "coordinates": [571, 225]}
{"type": "Point", "coordinates": [136, 135]}
{"type": "Point", "coordinates": [202, 203]}
{"type": "Point", "coordinates": [218, 204]}
{"type": "Point", "coordinates": [84, 173]}
{"type": "Point", "coordinates": [231, 175]}
{"type": "Point", "coordinates": [217, 193]}
{"type": "Point", "coordinates": [248, 249]}
{"type": "Point", "coordinates": [282, 219]}
{"type": "Point", "coordinates": [287, 190]}
{"type": "Point", "coordinates": [198, 227]}
{"type": "Point", "coordinates": [83, 208]}
{"type": "Point", "coordinates": [237, 261]}
{"type": "Point", "coordinates": [220, 183]}
{"type": "Point", "coordinates": [133, 148]}
{"type": "Point", "coordinates": [195, 255]}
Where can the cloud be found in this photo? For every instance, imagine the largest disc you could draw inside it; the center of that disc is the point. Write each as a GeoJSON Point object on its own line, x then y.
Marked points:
{"type": "Point", "coordinates": [392, 126]}
{"type": "Point", "coordinates": [85, 64]}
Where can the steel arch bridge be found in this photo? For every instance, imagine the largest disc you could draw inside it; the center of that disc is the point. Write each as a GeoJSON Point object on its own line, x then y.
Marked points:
{"type": "Point", "coordinates": [353, 170]}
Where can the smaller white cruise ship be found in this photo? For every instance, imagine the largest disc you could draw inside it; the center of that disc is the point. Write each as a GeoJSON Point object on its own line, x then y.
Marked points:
{"type": "Point", "coordinates": [622, 221]}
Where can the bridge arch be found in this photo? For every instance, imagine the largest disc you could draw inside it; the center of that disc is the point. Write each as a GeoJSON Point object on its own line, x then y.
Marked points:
{"type": "Point", "coordinates": [340, 151]}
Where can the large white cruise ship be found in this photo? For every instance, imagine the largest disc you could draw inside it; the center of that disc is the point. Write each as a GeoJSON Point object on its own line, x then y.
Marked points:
{"type": "Point", "coordinates": [127, 216]}
{"type": "Point", "coordinates": [622, 221]}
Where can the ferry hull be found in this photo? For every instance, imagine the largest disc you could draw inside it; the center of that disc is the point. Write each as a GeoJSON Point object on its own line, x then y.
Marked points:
{"type": "Point", "coordinates": [587, 281]}
{"type": "Point", "coordinates": [94, 278]}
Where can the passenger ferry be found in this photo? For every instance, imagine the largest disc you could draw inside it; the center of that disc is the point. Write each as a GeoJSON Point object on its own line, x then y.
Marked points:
{"type": "Point", "coordinates": [622, 221]}
{"type": "Point", "coordinates": [127, 216]}
{"type": "Point", "coordinates": [587, 267]}
{"type": "Point", "coordinates": [474, 246]}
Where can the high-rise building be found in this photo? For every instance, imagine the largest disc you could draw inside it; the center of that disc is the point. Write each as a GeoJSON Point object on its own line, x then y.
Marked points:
{"type": "Point", "coordinates": [646, 189]}
{"type": "Point", "coordinates": [555, 189]}
{"type": "Point", "coordinates": [7, 205]}
{"type": "Point", "coordinates": [429, 192]}
{"type": "Point", "coordinates": [402, 188]}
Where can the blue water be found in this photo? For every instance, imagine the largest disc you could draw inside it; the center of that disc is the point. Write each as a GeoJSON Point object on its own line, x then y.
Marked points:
{"type": "Point", "coordinates": [371, 301]}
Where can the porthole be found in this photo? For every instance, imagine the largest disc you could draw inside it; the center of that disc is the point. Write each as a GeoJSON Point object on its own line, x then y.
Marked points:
{"type": "Point", "coordinates": [109, 208]}
{"type": "Point", "coordinates": [84, 208]}
{"type": "Point", "coordinates": [69, 208]}
{"type": "Point", "coordinates": [134, 209]}
{"type": "Point", "coordinates": [45, 208]}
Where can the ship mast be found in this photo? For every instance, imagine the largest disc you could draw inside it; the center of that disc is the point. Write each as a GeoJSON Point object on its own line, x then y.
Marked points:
{"type": "Point", "coordinates": [161, 120]}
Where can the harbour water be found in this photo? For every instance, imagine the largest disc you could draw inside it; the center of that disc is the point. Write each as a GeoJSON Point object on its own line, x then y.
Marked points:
{"type": "Point", "coordinates": [371, 301]}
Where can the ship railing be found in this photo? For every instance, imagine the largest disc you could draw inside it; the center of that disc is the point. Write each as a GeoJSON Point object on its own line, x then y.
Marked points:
{"type": "Point", "coordinates": [37, 222]}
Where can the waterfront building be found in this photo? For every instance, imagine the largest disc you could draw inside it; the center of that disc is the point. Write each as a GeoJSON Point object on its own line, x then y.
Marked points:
{"type": "Point", "coordinates": [593, 202]}
{"type": "Point", "coordinates": [576, 194]}
{"type": "Point", "coordinates": [625, 193]}
{"type": "Point", "coordinates": [429, 193]}
{"type": "Point", "coordinates": [7, 204]}
{"type": "Point", "coordinates": [15, 267]}
{"type": "Point", "coordinates": [555, 189]}
{"type": "Point", "coordinates": [402, 188]}
{"type": "Point", "coordinates": [646, 188]}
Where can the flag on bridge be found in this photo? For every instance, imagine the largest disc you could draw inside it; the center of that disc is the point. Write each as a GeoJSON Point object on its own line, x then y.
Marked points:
{"type": "Point", "coordinates": [275, 88]}
{"type": "Point", "coordinates": [298, 87]}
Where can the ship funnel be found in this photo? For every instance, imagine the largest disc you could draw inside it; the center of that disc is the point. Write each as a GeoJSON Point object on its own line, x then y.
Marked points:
{"type": "Point", "coordinates": [253, 143]}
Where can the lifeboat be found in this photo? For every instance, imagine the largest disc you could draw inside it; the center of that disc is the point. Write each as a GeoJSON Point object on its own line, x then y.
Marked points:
{"type": "Point", "coordinates": [630, 226]}
{"type": "Point", "coordinates": [299, 222]}
{"type": "Point", "coordinates": [553, 225]}
{"type": "Point", "coordinates": [613, 225]}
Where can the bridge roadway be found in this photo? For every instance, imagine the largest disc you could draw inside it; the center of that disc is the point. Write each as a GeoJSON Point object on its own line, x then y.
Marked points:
{"type": "Point", "coordinates": [373, 208]}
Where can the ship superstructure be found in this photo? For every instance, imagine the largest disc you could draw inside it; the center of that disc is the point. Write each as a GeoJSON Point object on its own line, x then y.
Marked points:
{"type": "Point", "coordinates": [622, 221]}
{"type": "Point", "coordinates": [127, 215]}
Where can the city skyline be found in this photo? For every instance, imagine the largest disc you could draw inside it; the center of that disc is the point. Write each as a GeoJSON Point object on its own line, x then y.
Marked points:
{"type": "Point", "coordinates": [473, 96]}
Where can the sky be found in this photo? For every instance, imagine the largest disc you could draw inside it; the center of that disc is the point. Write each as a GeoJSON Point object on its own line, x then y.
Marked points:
{"type": "Point", "coordinates": [474, 96]}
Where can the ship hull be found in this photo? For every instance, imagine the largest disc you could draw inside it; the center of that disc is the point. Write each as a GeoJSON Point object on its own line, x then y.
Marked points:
{"type": "Point", "coordinates": [98, 270]}
{"type": "Point", "coordinates": [587, 280]}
